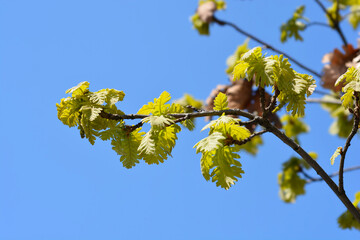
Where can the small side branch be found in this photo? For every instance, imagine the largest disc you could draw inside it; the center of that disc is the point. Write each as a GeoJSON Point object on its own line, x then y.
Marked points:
{"type": "Point", "coordinates": [335, 22]}
{"type": "Point", "coordinates": [311, 180]}
{"type": "Point", "coordinates": [222, 23]}
{"type": "Point", "coordinates": [272, 104]}
{"type": "Point", "coordinates": [348, 141]}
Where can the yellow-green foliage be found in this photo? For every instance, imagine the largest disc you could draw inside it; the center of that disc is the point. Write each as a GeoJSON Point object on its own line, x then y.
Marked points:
{"type": "Point", "coordinates": [294, 25]}
{"type": "Point", "coordinates": [347, 220]}
{"type": "Point", "coordinates": [351, 79]}
{"type": "Point", "coordinates": [276, 71]}
{"type": "Point", "coordinates": [218, 161]}
{"type": "Point", "coordinates": [291, 184]}
{"type": "Point", "coordinates": [82, 109]}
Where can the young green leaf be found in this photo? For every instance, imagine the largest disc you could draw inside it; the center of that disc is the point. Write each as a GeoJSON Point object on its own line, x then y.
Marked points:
{"type": "Point", "coordinates": [337, 152]}
{"type": "Point", "coordinates": [220, 102]}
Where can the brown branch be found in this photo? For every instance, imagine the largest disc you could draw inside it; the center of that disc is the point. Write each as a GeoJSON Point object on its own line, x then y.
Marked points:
{"type": "Point", "coordinates": [262, 101]}
{"type": "Point", "coordinates": [181, 115]}
{"type": "Point", "coordinates": [288, 141]}
{"type": "Point", "coordinates": [348, 141]}
{"type": "Point", "coordinates": [333, 174]}
{"type": "Point", "coordinates": [267, 127]}
{"type": "Point", "coordinates": [335, 22]}
{"type": "Point", "coordinates": [222, 23]}
{"type": "Point", "coordinates": [272, 104]}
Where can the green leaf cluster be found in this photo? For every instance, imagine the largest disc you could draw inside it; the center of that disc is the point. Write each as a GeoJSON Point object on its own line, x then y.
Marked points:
{"type": "Point", "coordinates": [198, 24]}
{"type": "Point", "coordinates": [343, 122]}
{"type": "Point", "coordinates": [291, 184]}
{"type": "Point", "coordinates": [276, 71]}
{"type": "Point", "coordinates": [219, 158]}
{"type": "Point", "coordinates": [83, 108]}
{"type": "Point", "coordinates": [351, 80]}
{"type": "Point", "coordinates": [347, 220]}
{"type": "Point", "coordinates": [294, 25]}
{"type": "Point", "coordinates": [158, 142]}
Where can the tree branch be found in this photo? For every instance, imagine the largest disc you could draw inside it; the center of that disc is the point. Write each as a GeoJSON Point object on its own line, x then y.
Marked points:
{"type": "Point", "coordinates": [311, 180]}
{"type": "Point", "coordinates": [335, 22]}
{"type": "Point", "coordinates": [267, 127]}
{"type": "Point", "coordinates": [348, 142]}
{"type": "Point", "coordinates": [222, 23]}
{"type": "Point", "coordinates": [317, 24]}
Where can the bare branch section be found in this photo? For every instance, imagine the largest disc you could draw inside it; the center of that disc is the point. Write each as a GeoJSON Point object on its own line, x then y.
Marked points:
{"type": "Point", "coordinates": [222, 23]}
{"type": "Point", "coordinates": [268, 127]}
{"type": "Point", "coordinates": [311, 179]}
{"type": "Point", "coordinates": [348, 141]}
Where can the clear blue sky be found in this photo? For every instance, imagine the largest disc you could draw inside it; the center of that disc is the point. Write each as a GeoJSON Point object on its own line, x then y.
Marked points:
{"type": "Point", "coordinates": [55, 185]}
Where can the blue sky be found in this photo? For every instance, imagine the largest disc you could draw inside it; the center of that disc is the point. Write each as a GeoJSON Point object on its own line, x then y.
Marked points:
{"type": "Point", "coordinates": [55, 185]}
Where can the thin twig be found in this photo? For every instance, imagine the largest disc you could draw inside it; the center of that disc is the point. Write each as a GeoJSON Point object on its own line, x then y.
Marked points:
{"type": "Point", "coordinates": [305, 174]}
{"type": "Point", "coordinates": [334, 174]}
{"type": "Point", "coordinates": [335, 22]}
{"type": "Point", "coordinates": [326, 101]}
{"type": "Point", "coordinates": [267, 127]}
{"type": "Point", "coordinates": [348, 141]}
{"type": "Point", "coordinates": [194, 108]}
{"type": "Point", "coordinates": [317, 24]}
{"type": "Point", "coordinates": [222, 23]}
{"type": "Point", "coordinates": [262, 101]}
{"type": "Point", "coordinates": [272, 104]}
{"type": "Point", "coordinates": [317, 91]}
{"type": "Point", "coordinates": [237, 112]}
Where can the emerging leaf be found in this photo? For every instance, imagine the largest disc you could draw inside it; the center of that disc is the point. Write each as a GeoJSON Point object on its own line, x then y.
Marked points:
{"type": "Point", "coordinates": [220, 102]}
{"type": "Point", "coordinates": [337, 152]}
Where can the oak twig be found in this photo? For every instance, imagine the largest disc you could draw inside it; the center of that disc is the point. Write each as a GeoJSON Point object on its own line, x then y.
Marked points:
{"type": "Point", "coordinates": [335, 22]}
{"type": "Point", "coordinates": [334, 174]}
{"type": "Point", "coordinates": [348, 141]}
{"type": "Point", "coordinates": [222, 23]}
{"type": "Point", "coordinates": [268, 127]}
